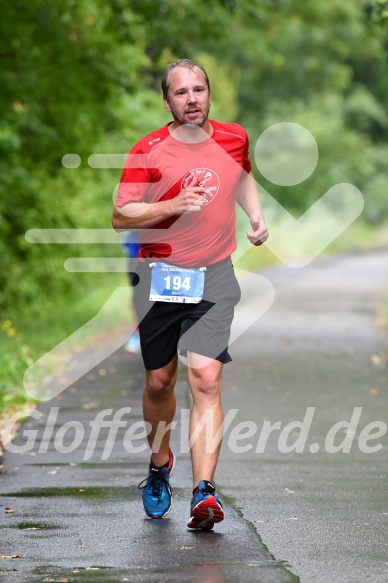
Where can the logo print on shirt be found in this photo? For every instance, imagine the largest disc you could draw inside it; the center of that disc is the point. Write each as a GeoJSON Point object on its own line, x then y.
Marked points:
{"type": "Point", "coordinates": [206, 178]}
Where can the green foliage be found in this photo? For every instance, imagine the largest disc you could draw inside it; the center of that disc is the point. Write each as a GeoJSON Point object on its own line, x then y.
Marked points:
{"type": "Point", "coordinates": [377, 11]}
{"type": "Point", "coordinates": [23, 340]}
{"type": "Point", "coordinates": [324, 66]}
{"type": "Point", "coordinates": [59, 65]}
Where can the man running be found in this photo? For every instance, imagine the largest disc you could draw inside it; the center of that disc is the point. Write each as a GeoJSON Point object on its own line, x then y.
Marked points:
{"type": "Point", "coordinates": [180, 186]}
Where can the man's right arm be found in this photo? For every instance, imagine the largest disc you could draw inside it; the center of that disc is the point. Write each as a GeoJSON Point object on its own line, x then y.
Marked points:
{"type": "Point", "coordinates": [142, 215]}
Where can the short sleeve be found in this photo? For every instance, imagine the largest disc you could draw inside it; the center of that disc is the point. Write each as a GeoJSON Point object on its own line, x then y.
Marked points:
{"type": "Point", "coordinates": [135, 179]}
{"type": "Point", "coordinates": [246, 161]}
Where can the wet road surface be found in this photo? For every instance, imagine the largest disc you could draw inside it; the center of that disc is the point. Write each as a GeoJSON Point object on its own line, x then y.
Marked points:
{"type": "Point", "coordinates": [318, 515]}
{"type": "Point", "coordinates": [82, 519]}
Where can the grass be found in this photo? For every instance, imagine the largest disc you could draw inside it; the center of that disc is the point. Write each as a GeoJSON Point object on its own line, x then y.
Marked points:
{"type": "Point", "coordinates": [28, 334]}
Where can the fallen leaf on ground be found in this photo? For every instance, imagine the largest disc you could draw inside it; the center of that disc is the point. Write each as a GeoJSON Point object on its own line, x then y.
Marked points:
{"type": "Point", "coordinates": [186, 548]}
{"type": "Point", "coordinates": [10, 556]}
{"type": "Point", "coordinates": [8, 510]}
{"type": "Point", "coordinates": [88, 406]}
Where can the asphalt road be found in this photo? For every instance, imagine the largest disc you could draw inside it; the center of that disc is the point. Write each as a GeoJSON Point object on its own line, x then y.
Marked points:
{"type": "Point", "coordinates": [319, 346]}
{"type": "Point", "coordinates": [317, 357]}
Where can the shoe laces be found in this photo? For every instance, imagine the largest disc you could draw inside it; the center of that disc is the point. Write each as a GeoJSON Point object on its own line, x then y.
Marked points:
{"type": "Point", "coordinates": [156, 481]}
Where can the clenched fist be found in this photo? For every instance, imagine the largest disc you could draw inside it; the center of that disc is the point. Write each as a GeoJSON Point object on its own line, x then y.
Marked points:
{"type": "Point", "coordinates": [189, 199]}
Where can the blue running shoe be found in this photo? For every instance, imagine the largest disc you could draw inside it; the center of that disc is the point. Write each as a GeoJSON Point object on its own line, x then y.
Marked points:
{"type": "Point", "coordinates": [206, 509]}
{"type": "Point", "coordinates": [157, 490]}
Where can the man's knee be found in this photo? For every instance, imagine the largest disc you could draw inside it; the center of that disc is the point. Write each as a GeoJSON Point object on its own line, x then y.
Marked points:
{"type": "Point", "coordinates": [205, 384]}
{"type": "Point", "coordinates": [160, 381]}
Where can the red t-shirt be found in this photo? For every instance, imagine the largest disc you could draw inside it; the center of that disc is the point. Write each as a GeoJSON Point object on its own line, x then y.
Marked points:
{"type": "Point", "coordinates": [159, 166]}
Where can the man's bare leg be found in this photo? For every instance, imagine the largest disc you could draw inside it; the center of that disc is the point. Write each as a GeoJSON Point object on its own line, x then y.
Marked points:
{"type": "Point", "coordinates": [204, 375]}
{"type": "Point", "coordinates": [159, 405]}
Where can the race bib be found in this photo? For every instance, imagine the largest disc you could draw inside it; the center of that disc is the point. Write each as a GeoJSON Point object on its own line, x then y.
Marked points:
{"type": "Point", "coordinates": [170, 283]}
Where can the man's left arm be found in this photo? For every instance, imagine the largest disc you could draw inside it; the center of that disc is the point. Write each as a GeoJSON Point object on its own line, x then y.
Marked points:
{"type": "Point", "coordinates": [249, 200]}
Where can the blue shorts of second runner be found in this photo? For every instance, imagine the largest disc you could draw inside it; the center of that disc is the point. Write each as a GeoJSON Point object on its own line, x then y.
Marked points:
{"type": "Point", "coordinates": [203, 328]}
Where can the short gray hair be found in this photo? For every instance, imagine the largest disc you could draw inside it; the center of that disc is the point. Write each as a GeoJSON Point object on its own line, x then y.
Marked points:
{"type": "Point", "coordinates": [189, 64]}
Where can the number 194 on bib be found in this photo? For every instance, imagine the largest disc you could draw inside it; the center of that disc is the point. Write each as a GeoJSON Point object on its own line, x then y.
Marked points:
{"type": "Point", "coordinates": [170, 283]}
